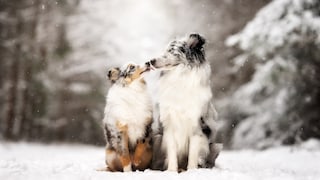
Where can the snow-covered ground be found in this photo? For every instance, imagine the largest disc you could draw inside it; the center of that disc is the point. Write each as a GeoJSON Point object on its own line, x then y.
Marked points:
{"type": "Point", "coordinates": [37, 161]}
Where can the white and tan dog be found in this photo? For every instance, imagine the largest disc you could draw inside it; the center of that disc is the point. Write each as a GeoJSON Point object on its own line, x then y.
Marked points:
{"type": "Point", "coordinates": [186, 112]}
{"type": "Point", "coordinates": [127, 121]}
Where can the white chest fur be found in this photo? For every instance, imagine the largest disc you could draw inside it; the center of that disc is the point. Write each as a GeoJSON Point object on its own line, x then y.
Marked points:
{"type": "Point", "coordinates": [129, 105]}
{"type": "Point", "coordinates": [183, 95]}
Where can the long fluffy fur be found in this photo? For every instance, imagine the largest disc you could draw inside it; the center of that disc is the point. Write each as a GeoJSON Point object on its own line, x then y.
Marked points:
{"type": "Point", "coordinates": [187, 114]}
{"type": "Point", "coordinates": [128, 117]}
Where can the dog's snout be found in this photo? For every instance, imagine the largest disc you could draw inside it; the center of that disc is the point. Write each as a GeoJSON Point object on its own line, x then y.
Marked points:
{"type": "Point", "coordinates": [147, 64]}
{"type": "Point", "coordinates": [153, 62]}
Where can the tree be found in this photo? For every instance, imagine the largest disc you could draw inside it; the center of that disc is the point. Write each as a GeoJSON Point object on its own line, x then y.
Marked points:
{"type": "Point", "coordinates": [280, 104]}
{"type": "Point", "coordinates": [26, 48]}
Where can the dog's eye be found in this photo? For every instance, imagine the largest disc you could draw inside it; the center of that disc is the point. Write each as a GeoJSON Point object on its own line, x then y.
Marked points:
{"type": "Point", "coordinates": [131, 67]}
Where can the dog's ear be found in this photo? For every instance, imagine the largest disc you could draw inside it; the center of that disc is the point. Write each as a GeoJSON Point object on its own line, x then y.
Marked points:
{"type": "Point", "coordinates": [195, 41]}
{"type": "Point", "coordinates": [113, 74]}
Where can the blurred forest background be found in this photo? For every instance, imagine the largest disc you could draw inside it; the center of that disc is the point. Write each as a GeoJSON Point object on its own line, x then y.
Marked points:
{"type": "Point", "coordinates": [54, 55]}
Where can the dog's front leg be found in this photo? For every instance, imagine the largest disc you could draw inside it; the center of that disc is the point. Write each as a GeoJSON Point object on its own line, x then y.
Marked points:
{"type": "Point", "coordinates": [125, 158]}
{"type": "Point", "coordinates": [172, 153]}
{"type": "Point", "coordinates": [126, 161]}
{"type": "Point", "coordinates": [195, 146]}
{"type": "Point", "coordinates": [112, 160]}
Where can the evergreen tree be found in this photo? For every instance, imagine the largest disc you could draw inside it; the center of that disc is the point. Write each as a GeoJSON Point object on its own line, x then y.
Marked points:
{"type": "Point", "coordinates": [280, 104]}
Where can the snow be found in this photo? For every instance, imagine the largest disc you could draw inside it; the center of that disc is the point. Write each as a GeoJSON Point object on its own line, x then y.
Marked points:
{"type": "Point", "coordinates": [60, 161]}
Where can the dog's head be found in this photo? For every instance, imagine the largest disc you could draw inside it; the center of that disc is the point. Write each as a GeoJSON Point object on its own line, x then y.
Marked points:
{"type": "Point", "coordinates": [131, 72]}
{"type": "Point", "coordinates": [127, 73]}
{"type": "Point", "coordinates": [187, 51]}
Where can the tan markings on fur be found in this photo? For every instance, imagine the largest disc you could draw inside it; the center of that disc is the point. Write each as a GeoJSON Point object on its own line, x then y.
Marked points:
{"type": "Point", "coordinates": [149, 120]}
{"type": "Point", "coordinates": [113, 161]}
{"type": "Point", "coordinates": [125, 159]}
{"type": "Point", "coordinates": [122, 127]}
{"type": "Point", "coordinates": [134, 76]}
{"type": "Point", "coordinates": [143, 155]}
{"type": "Point", "coordinates": [124, 154]}
{"type": "Point", "coordinates": [142, 81]}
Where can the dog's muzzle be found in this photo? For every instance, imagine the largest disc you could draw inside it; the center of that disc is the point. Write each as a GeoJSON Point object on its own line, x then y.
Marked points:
{"type": "Point", "coordinates": [150, 64]}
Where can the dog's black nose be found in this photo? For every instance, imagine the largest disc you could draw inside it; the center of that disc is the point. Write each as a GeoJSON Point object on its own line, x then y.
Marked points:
{"type": "Point", "coordinates": [153, 62]}
{"type": "Point", "coordinates": [147, 64]}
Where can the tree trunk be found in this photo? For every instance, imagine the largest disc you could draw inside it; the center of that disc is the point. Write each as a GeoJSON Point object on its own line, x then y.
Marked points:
{"type": "Point", "coordinates": [25, 100]}
{"type": "Point", "coordinates": [14, 56]}
{"type": "Point", "coordinates": [28, 74]}
{"type": "Point", "coordinates": [14, 72]}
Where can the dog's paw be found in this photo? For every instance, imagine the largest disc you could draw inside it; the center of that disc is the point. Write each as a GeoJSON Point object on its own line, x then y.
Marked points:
{"type": "Point", "coordinates": [127, 168]}
{"type": "Point", "coordinates": [103, 169]}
